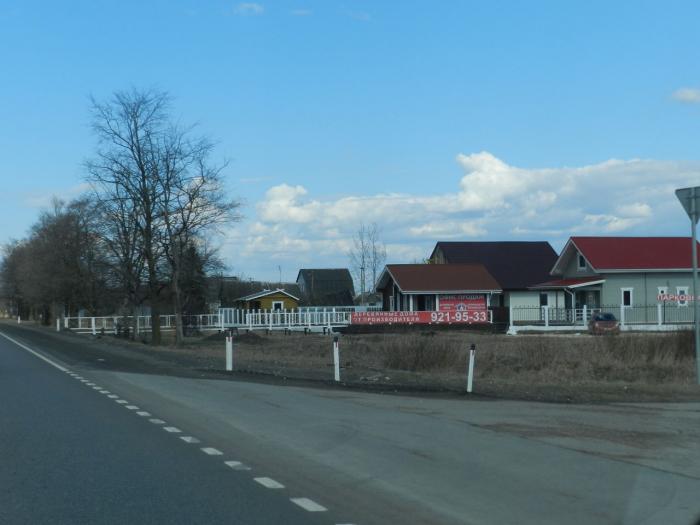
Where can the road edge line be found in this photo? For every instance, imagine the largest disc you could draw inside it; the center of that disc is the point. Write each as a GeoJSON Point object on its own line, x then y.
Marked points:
{"type": "Point", "coordinates": [34, 352]}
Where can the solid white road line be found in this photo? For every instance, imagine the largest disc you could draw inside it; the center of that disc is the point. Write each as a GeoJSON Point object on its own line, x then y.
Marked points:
{"type": "Point", "coordinates": [189, 439]}
{"type": "Point", "coordinates": [236, 465]}
{"type": "Point", "coordinates": [157, 421]}
{"type": "Point", "coordinates": [308, 504]}
{"type": "Point", "coordinates": [172, 430]}
{"type": "Point", "coordinates": [143, 413]}
{"type": "Point", "coordinates": [212, 451]}
{"type": "Point", "coordinates": [269, 483]}
{"type": "Point", "coordinates": [37, 354]}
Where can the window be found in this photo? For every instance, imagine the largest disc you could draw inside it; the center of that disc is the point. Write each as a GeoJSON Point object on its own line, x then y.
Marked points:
{"type": "Point", "coordinates": [682, 292]}
{"type": "Point", "coordinates": [277, 305]}
{"type": "Point", "coordinates": [581, 262]}
{"type": "Point", "coordinates": [544, 299]}
{"type": "Point", "coordinates": [626, 296]}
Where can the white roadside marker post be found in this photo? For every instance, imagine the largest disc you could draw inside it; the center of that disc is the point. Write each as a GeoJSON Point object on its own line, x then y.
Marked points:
{"type": "Point", "coordinates": [19, 320]}
{"type": "Point", "coordinates": [470, 372]}
{"type": "Point", "coordinates": [336, 358]}
{"type": "Point", "coordinates": [58, 324]}
{"type": "Point", "coordinates": [229, 353]}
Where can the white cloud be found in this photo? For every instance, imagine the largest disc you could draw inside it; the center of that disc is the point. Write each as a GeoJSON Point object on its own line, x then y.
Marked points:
{"type": "Point", "coordinates": [491, 200]}
{"type": "Point", "coordinates": [45, 199]}
{"type": "Point", "coordinates": [687, 95]}
{"type": "Point", "coordinates": [248, 8]}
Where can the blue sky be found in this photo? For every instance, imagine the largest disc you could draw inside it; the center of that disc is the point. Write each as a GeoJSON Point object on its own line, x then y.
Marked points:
{"type": "Point", "coordinates": [437, 120]}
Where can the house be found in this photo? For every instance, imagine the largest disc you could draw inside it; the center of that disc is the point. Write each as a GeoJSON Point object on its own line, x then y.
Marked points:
{"type": "Point", "coordinates": [431, 287]}
{"type": "Point", "coordinates": [606, 272]}
{"type": "Point", "coordinates": [326, 286]}
{"type": "Point", "coordinates": [516, 266]}
{"type": "Point", "coordinates": [277, 299]}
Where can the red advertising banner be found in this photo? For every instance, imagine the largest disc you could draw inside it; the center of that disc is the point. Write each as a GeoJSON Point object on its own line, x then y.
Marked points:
{"type": "Point", "coordinates": [461, 303]}
{"type": "Point", "coordinates": [449, 317]}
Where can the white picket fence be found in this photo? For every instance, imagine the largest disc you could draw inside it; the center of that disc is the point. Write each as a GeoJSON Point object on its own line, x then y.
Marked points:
{"type": "Point", "coordinates": [657, 317]}
{"type": "Point", "coordinates": [311, 320]}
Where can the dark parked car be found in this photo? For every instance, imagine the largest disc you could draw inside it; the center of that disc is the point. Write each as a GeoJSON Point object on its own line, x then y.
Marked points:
{"type": "Point", "coordinates": [603, 323]}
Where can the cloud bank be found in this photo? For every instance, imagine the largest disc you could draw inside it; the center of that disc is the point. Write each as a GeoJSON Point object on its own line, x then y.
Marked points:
{"type": "Point", "coordinates": [491, 200]}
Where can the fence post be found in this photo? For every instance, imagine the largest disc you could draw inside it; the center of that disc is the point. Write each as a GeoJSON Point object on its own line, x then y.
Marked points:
{"type": "Point", "coordinates": [221, 319]}
{"type": "Point", "coordinates": [229, 353]}
{"type": "Point", "coordinates": [470, 370]}
{"type": "Point", "coordinates": [658, 314]}
{"type": "Point", "coordinates": [336, 358]}
{"type": "Point", "coordinates": [138, 330]}
{"type": "Point", "coordinates": [585, 314]}
{"type": "Point", "coordinates": [511, 322]}
{"type": "Point", "coordinates": [19, 320]}
{"type": "Point", "coordinates": [65, 322]}
{"type": "Point", "coordinates": [58, 324]}
{"type": "Point", "coordinates": [622, 315]}
{"type": "Point", "coordinates": [92, 325]}
{"type": "Point", "coordinates": [546, 315]}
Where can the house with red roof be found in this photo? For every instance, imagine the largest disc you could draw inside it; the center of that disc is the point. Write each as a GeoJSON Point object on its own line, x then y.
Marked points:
{"type": "Point", "coordinates": [600, 272]}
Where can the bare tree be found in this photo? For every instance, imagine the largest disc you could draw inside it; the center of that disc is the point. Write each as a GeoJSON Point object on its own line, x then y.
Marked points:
{"type": "Point", "coordinates": [367, 257]}
{"type": "Point", "coordinates": [159, 192]}
{"type": "Point", "coordinates": [192, 203]}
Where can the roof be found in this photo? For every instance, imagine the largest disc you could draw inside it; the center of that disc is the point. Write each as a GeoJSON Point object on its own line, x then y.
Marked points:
{"type": "Point", "coordinates": [439, 278]}
{"type": "Point", "coordinates": [265, 293]}
{"type": "Point", "coordinates": [630, 253]}
{"type": "Point", "coordinates": [323, 281]}
{"type": "Point", "coordinates": [570, 283]}
{"type": "Point", "coordinates": [516, 265]}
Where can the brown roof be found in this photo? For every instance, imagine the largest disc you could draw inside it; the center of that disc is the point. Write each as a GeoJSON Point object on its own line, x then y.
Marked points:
{"type": "Point", "coordinates": [441, 278]}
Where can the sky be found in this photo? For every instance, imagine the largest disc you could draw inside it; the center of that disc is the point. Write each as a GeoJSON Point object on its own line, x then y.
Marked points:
{"type": "Point", "coordinates": [445, 120]}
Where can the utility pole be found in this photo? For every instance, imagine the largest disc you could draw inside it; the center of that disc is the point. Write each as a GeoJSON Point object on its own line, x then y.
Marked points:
{"type": "Point", "coordinates": [689, 198]}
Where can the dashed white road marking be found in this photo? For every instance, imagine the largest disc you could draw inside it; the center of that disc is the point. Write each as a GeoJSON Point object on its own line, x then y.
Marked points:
{"type": "Point", "coordinates": [157, 421]}
{"type": "Point", "coordinates": [143, 413]}
{"type": "Point", "coordinates": [37, 354]}
{"type": "Point", "coordinates": [269, 483]}
{"type": "Point", "coordinates": [212, 451]}
{"type": "Point", "coordinates": [121, 401]}
{"type": "Point", "coordinates": [236, 465]}
{"type": "Point", "coordinates": [132, 407]}
{"type": "Point", "coordinates": [172, 430]}
{"type": "Point", "coordinates": [84, 380]}
{"type": "Point", "coordinates": [308, 504]}
{"type": "Point", "coordinates": [89, 384]}
{"type": "Point", "coordinates": [97, 388]}
{"type": "Point", "coordinates": [113, 396]}
{"type": "Point", "coordinates": [189, 439]}
{"type": "Point", "coordinates": [105, 392]}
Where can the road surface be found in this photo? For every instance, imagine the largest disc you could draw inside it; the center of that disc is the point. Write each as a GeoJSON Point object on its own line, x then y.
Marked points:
{"type": "Point", "coordinates": [88, 444]}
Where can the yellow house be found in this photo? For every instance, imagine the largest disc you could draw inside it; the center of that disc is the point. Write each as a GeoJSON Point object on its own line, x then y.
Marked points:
{"type": "Point", "coordinates": [268, 300]}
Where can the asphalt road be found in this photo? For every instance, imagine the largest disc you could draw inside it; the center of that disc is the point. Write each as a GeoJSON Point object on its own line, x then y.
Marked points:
{"type": "Point", "coordinates": [71, 454]}
{"type": "Point", "coordinates": [76, 456]}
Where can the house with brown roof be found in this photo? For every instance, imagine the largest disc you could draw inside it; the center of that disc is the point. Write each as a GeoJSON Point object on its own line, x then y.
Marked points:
{"type": "Point", "coordinates": [430, 287]}
{"type": "Point", "coordinates": [516, 266]}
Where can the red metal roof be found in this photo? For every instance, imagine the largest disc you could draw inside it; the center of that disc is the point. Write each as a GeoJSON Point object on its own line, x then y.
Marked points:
{"type": "Point", "coordinates": [568, 283]}
{"type": "Point", "coordinates": [440, 278]}
{"type": "Point", "coordinates": [635, 253]}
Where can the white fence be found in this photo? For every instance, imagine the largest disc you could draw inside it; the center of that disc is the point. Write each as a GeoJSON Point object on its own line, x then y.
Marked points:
{"type": "Point", "coordinates": [660, 316]}
{"type": "Point", "coordinates": [226, 318]}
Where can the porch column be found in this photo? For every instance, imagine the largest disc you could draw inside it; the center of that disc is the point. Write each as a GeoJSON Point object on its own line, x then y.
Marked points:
{"type": "Point", "coordinates": [437, 302]}
{"type": "Point", "coordinates": [410, 303]}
